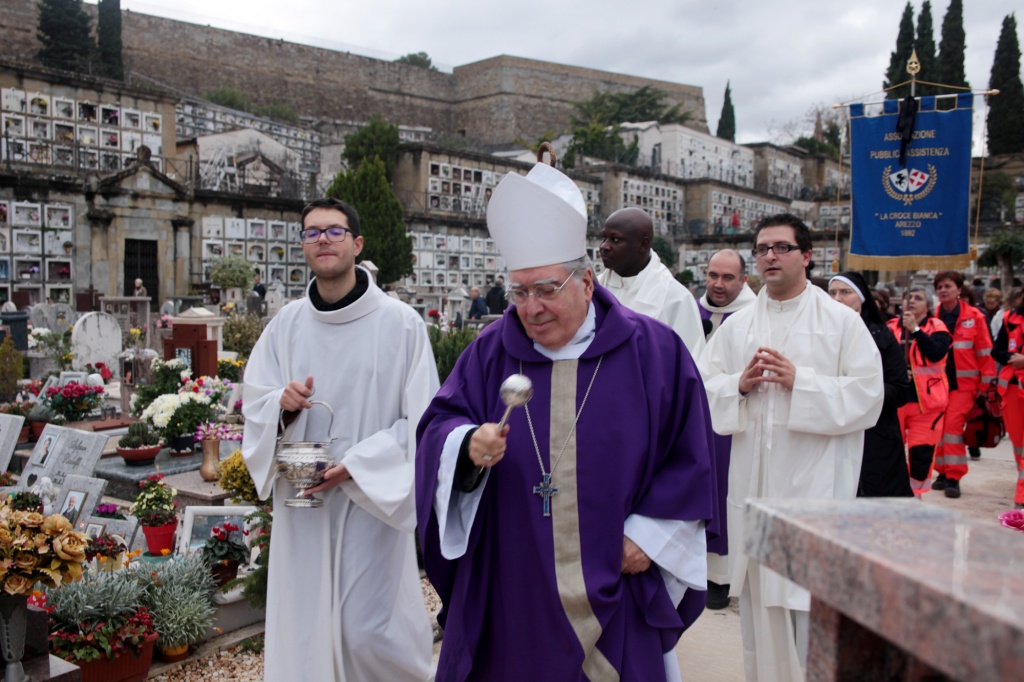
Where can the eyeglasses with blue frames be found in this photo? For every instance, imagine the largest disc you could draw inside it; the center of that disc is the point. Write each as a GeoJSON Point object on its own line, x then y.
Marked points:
{"type": "Point", "coordinates": [544, 291]}
{"type": "Point", "coordinates": [335, 233]}
{"type": "Point", "coordinates": [761, 250]}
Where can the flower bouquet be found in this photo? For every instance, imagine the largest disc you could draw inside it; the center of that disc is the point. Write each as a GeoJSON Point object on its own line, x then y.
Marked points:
{"type": "Point", "coordinates": [137, 336]}
{"type": "Point", "coordinates": [178, 415]}
{"type": "Point", "coordinates": [215, 388]}
{"type": "Point", "coordinates": [223, 553]}
{"type": "Point", "coordinates": [230, 370]}
{"type": "Point", "coordinates": [74, 401]}
{"type": "Point", "coordinates": [106, 551]}
{"type": "Point", "coordinates": [108, 511]}
{"type": "Point", "coordinates": [34, 548]}
{"type": "Point", "coordinates": [216, 431]}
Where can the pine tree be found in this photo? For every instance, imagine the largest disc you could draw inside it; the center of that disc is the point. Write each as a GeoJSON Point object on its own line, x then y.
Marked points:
{"type": "Point", "coordinates": [897, 71]}
{"type": "Point", "coordinates": [925, 47]}
{"type": "Point", "coordinates": [64, 33]}
{"type": "Point", "coordinates": [377, 138]}
{"type": "Point", "coordinates": [727, 121]}
{"type": "Point", "coordinates": [1006, 110]}
{"type": "Point", "coordinates": [953, 46]}
{"type": "Point", "coordinates": [108, 29]}
{"type": "Point", "coordinates": [385, 241]}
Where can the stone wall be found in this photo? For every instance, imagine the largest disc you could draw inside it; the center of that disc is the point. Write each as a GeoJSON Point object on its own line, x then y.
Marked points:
{"type": "Point", "coordinates": [496, 100]}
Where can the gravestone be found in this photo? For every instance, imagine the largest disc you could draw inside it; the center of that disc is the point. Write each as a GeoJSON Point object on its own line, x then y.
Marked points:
{"type": "Point", "coordinates": [10, 427]}
{"type": "Point", "coordinates": [78, 498]}
{"type": "Point", "coordinates": [275, 298]}
{"type": "Point", "coordinates": [96, 337]}
{"type": "Point", "coordinates": [123, 528]}
{"type": "Point", "coordinates": [62, 452]}
{"type": "Point", "coordinates": [57, 317]}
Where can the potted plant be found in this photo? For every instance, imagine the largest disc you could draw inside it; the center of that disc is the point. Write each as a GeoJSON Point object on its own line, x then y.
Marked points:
{"type": "Point", "coordinates": [177, 593]}
{"type": "Point", "coordinates": [166, 378]}
{"type": "Point", "coordinates": [139, 446]}
{"type": "Point", "coordinates": [108, 511]}
{"type": "Point", "coordinates": [38, 417]}
{"type": "Point", "coordinates": [232, 275]}
{"type": "Point", "coordinates": [236, 481]}
{"type": "Point", "coordinates": [230, 370]}
{"type": "Point", "coordinates": [25, 501]}
{"type": "Point", "coordinates": [177, 416]}
{"type": "Point", "coordinates": [106, 553]}
{"type": "Point", "coordinates": [224, 553]}
{"type": "Point", "coordinates": [74, 401]}
{"type": "Point", "coordinates": [100, 625]}
{"type": "Point", "coordinates": [156, 510]}
{"type": "Point", "coordinates": [56, 557]}
{"type": "Point", "coordinates": [68, 245]}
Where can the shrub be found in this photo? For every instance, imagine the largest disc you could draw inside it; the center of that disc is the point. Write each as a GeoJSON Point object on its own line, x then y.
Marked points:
{"type": "Point", "coordinates": [10, 368]}
{"type": "Point", "coordinates": [241, 333]}
{"type": "Point", "coordinates": [231, 271]}
{"type": "Point", "coordinates": [178, 595]}
{"type": "Point", "coordinates": [236, 481]}
{"type": "Point", "coordinates": [448, 345]}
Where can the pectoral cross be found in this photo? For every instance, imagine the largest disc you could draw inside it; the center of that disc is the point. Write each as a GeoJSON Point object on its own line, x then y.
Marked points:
{"type": "Point", "coordinates": [545, 490]}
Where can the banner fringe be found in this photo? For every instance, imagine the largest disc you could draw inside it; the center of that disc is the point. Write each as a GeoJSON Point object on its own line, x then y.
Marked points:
{"type": "Point", "coordinates": [893, 263]}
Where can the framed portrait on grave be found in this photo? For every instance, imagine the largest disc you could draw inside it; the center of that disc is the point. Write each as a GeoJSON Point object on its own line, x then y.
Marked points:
{"type": "Point", "coordinates": [94, 529]}
{"type": "Point", "coordinates": [434, 186]}
{"type": "Point", "coordinates": [200, 521]}
{"type": "Point", "coordinates": [128, 371]}
{"type": "Point", "coordinates": [435, 169]}
{"type": "Point", "coordinates": [294, 232]}
{"type": "Point", "coordinates": [446, 170]}
{"type": "Point", "coordinates": [440, 242]}
{"type": "Point", "coordinates": [68, 377]}
{"type": "Point", "coordinates": [71, 506]}
{"type": "Point", "coordinates": [45, 449]}
{"type": "Point", "coordinates": [435, 201]}
{"type": "Point", "coordinates": [257, 229]}
{"type": "Point", "coordinates": [446, 187]}
{"type": "Point", "coordinates": [185, 355]}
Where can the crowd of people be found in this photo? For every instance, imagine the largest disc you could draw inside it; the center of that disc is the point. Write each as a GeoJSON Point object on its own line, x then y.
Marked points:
{"type": "Point", "coordinates": [578, 482]}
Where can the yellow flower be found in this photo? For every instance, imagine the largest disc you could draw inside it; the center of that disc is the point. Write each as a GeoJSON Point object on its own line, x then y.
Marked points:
{"type": "Point", "coordinates": [55, 525]}
{"type": "Point", "coordinates": [17, 584]}
{"type": "Point", "coordinates": [25, 561]}
{"type": "Point", "coordinates": [5, 538]}
{"type": "Point", "coordinates": [70, 546]}
{"type": "Point", "coordinates": [32, 519]}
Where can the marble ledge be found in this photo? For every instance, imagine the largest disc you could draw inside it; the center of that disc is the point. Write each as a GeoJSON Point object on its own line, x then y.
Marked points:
{"type": "Point", "coordinates": [946, 589]}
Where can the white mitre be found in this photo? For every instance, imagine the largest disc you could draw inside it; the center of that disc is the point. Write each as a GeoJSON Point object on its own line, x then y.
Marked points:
{"type": "Point", "coordinates": [538, 219]}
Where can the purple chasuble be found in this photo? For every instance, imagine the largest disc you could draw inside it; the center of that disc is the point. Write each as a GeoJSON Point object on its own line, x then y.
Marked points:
{"type": "Point", "coordinates": [644, 446]}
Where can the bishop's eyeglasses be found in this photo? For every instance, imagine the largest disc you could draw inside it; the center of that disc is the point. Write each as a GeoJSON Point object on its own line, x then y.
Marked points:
{"type": "Point", "coordinates": [335, 233]}
{"type": "Point", "coordinates": [544, 291]}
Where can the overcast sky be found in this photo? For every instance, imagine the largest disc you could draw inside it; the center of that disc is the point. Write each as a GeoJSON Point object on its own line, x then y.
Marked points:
{"type": "Point", "coordinates": [781, 56]}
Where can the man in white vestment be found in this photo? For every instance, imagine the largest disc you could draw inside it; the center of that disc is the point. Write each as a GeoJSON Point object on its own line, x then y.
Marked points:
{"type": "Point", "coordinates": [344, 599]}
{"type": "Point", "coordinates": [726, 292]}
{"type": "Point", "coordinates": [796, 379]}
{"type": "Point", "coordinates": [637, 278]}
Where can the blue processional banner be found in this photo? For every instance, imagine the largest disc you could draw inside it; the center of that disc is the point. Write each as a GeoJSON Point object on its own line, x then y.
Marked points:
{"type": "Point", "coordinates": [912, 215]}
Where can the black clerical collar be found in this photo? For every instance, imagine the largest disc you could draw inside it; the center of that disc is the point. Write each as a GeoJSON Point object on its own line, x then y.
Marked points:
{"type": "Point", "coordinates": [362, 284]}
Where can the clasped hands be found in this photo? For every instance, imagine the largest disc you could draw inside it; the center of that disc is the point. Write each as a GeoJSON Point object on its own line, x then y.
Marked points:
{"type": "Point", "coordinates": [767, 366]}
{"type": "Point", "coordinates": [296, 397]}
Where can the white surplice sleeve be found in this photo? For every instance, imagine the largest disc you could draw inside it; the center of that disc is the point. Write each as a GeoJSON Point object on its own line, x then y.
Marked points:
{"type": "Point", "coordinates": [383, 465]}
{"type": "Point", "coordinates": [679, 548]}
{"type": "Point", "coordinates": [261, 405]}
{"type": "Point", "coordinates": [851, 400]}
{"type": "Point", "coordinates": [455, 510]}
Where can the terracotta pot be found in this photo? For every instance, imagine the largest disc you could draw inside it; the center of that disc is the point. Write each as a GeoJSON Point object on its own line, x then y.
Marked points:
{"type": "Point", "coordinates": [125, 668]}
{"type": "Point", "coordinates": [26, 431]}
{"type": "Point", "coordinates": [173, 654]}
{"type": "Point", "coordinates": [209, 470]}
{"type": "Point", "coordinates": [134, 457]}
{"type": "Point", "coordinates": [159, 538]}
{"type": "Point", "coordinates": [183, 446]}
{"type": "Point", "coordinates": [37, 429]}
{"type": "Point", "coordinates": [224, 572]}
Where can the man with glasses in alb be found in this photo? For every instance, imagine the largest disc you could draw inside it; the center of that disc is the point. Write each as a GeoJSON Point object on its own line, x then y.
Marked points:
{"type": "Point", "coordinates": [796, 379]}
{"type": "Point", "coordinates": [344, 599]}
{"type": "Point", "coordinates": [564, 545]}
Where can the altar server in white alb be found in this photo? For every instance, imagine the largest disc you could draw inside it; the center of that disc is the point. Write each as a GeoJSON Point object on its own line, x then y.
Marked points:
{"type": "Point", "coordinates": [344, 599]}
{"type": "Point", "coordinates": [796, 378]}
{"type": "Point", "coordinates": [636, 276]}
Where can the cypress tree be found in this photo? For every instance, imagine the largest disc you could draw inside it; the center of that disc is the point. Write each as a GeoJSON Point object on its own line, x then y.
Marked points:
{"type": "Point", "coordinates": [1006, 110]}
{"type": "Point", "coordinates": [953, 46]}
{"type": "Point", "coordinates": [108, 29]}
{"type": "Point", "coordinates": [64, 33]}
{"type": "Point", "coordinates": [897, 71]}
{"type": "Point", "coordinates": [925, 46]}
{"type": "Point", "coordinates": [727, 121]}
{"type": "Point", "coordinates": [376, 138]}
{"type": "Point", "coordinates": [385, 241]}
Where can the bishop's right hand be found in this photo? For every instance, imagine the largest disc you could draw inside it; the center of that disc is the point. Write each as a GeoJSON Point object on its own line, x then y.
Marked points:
{"type": "Point", "coordinates": [296, 395]}
{"type": "Point", "coordinates": [487, 446]}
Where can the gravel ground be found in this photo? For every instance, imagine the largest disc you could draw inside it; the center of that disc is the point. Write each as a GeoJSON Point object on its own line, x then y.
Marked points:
{"type": "Point", "coordinates": [237, 663]}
